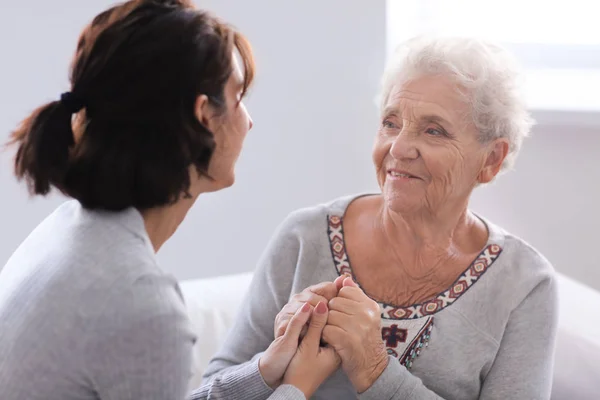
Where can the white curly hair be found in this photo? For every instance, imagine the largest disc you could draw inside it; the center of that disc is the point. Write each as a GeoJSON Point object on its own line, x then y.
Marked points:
{"type": "Point", "coordinates": [487, 76]}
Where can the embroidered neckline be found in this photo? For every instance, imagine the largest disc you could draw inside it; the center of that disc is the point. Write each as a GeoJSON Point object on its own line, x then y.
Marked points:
{"type": "Point", "coordinates": [485, 259]}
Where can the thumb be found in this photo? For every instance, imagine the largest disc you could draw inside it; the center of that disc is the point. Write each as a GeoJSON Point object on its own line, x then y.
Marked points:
{"type": "Point", "coordinates": [297, 322]}
{"type": "Point", "coordinates": [325, 289]}
{"type": "Point", "coordinates": [339, 281]}
{"type": "Point", "coordinates": [349, 282]}
{"type": "Point", "coordinates": [316, 326]}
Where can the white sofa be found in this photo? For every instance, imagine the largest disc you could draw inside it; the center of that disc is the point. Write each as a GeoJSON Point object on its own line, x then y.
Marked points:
{"type": "Point", "coordinates": [213, 304]}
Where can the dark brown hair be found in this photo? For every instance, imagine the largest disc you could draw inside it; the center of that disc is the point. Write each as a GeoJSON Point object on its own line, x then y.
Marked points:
{"type": "Point", "coordinates": [137, 72]}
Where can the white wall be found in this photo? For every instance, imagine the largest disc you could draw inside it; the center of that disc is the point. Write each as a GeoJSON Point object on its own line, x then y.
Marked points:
{"type": "Point", "coordinates": [319, 63]}
{"type": "Point", "coordinates": [552, 199]}
{"type": "Point", "coordinates": [318, 70]}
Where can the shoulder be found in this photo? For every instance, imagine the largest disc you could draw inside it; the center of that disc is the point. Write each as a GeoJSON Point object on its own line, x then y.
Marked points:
{"type": "Point", "coordinates": [299, 252]}
{"type": "Point", "coordinates": [139, 302]}
{"type": "Point", "coordinates": [532, 268]}
{"type": "Point", "coordinates": [522, 269]}
{"type": "Point", "coordinates": [90, 254]}
{"type": "Point", "coordinates": [122, 278]}
{"type": "Point", "coordinates": [510, 275]}
{"type": "Point", "coordinates": [525, 259]}
{"type": "Point", "coordinates": [315, 219]}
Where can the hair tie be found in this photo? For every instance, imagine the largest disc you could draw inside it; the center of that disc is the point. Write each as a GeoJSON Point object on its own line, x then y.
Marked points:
{"type": "Point", "coordinates": [72, 102]}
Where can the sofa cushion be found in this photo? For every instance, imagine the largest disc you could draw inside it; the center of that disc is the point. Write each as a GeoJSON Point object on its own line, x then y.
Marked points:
{"type": "Point", "coordinates": [576, 367]}
{"type": "Point", "coordinates": [212, 305]}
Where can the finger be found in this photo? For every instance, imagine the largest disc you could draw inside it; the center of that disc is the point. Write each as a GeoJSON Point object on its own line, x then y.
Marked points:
{"type": "Point", "coordinates": [335, 337]}
{"type": "Point", "coordinates": [339, 281]}
{"type": "Point", "coordinates": [315, 299]}
{"type": "Point", "coordinates": [287, 312]}
{"type": "Point", "coordinates": [365, 302]}
{"type": "Point", "coordinates": [353, 293]}
{"type": "Point", "coordinates": [333, 357]}
{"type": "Point", "coordinates": [304, 330]}
{"type": "Point", "coordinates": [330, 360]}
{"type": "Point", "coordinates": [306, 296]}
{"type": "Point", "coordinates": [325, 289]}
{"type": "Point", "coordinates": [282, 327]}
{"type": "Point", "coordinates": [297, 322]}
{"type": "Point", "coordinates": [343, 321]}
{"type": "Point", "coordinates": [318, 321]}
{"type": "Point", "coordinates": [282, 319]}
{"type": "Point", "coordinates": [344, 305]}
{"type": "Point", "coordinates": [349, 282]}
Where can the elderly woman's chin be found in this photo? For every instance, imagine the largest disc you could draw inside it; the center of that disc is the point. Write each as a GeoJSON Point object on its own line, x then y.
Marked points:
{"type": "Point", "coordinates": [403, 198]}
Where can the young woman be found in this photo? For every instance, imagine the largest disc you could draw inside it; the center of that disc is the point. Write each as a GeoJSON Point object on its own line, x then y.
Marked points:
{"type": "Point", "coordinates": [153, 119]}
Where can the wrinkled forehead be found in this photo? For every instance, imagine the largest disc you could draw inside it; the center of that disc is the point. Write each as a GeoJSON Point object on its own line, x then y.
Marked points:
{"type": "Point", "coordinates": [427, 95]}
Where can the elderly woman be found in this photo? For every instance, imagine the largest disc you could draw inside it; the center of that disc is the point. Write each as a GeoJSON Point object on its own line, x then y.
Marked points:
{"type": "Point", "coordinates": [440, 303]}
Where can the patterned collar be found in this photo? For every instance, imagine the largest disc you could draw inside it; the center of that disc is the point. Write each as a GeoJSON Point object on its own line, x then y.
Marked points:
{"type": "Point", "coordinates": [464, 282]}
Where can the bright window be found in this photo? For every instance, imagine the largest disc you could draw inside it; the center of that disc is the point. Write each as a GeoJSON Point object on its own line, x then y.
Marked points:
{"type": "Point", "coordinates": [557, 42]}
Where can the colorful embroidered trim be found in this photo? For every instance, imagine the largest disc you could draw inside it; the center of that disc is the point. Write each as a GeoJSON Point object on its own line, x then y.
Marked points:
{"type": "Point", "coordinates": [478, 267]}
{"type": "Point", "coordinates": [415, 348]}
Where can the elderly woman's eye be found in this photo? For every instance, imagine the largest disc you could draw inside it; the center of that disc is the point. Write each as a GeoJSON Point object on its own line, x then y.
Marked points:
{"type": "Point", "coordinates": [435, 132]}
{"type": "Point", "coordinates": [388, 124]}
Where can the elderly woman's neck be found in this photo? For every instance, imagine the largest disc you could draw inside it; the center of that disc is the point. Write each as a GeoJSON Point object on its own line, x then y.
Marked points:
{"type": "Point", "coordinates": [449, 231]}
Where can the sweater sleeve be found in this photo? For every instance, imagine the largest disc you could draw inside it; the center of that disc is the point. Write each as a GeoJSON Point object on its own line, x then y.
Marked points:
{"type": "Point", "coordinates": [142, 345]}
{"type": "Point", "coordinates": [523, 365]}
{"type": "Point", "coordinates": [244, 386]}
{"type": "Point", "coordinates": [234, 368]}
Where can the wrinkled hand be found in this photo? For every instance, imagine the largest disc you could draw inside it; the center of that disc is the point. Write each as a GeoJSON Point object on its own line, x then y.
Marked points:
{"type": "Point", "coordinates": [275, 360]}
{"type": "Point", "coordinates": [354, 331]}
{"type": "Point", "coordinates": [312, 363]}
{"type": "Point", "coordinates": [322, 292]}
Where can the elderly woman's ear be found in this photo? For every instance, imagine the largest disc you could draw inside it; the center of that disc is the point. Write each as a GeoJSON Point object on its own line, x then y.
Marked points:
{"type": "Point", "coordinates": [496, 154]}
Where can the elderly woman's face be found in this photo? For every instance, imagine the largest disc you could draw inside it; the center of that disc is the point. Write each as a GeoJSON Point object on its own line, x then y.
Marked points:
{"type": "Point", "coordinates": [427, 153]}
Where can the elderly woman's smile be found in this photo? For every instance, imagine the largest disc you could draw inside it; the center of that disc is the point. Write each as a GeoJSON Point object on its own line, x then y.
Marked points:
{"type": "Point", "coordinates": [400, 175]}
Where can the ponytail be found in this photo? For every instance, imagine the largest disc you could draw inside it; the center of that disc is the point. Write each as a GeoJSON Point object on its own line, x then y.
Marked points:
{"type": "Point", "coordinates": [44, 141]}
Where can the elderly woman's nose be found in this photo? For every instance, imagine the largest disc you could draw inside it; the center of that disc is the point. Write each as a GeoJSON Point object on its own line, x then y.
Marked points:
{"type": "Point", "coordinates": [404, 146]}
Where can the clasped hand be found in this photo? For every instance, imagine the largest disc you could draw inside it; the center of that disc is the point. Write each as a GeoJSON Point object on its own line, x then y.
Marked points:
{"type": "Point", "coordinates": [344, 327]}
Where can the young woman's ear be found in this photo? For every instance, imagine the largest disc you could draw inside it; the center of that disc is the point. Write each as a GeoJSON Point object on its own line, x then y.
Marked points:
{"type": "Point", "coordinates": [204, 111]}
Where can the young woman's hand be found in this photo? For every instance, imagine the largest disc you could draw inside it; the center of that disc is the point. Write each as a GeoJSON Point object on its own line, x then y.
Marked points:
{"type": "Point", "coordinates": [275, 360]}
{"type": "Point", "coordinates": [314, 294]}
{"type": "Point", "coordinates": [312, 363]}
